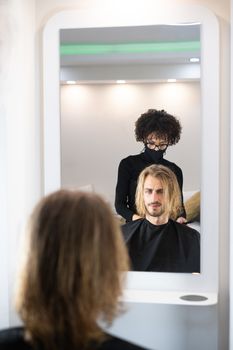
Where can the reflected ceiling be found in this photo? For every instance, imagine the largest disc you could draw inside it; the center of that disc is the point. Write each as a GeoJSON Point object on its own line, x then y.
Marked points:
{"type": "Point", "coordinates": [160, 44]}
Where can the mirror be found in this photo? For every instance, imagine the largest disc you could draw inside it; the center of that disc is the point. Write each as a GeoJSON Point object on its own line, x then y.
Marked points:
{"type": "Point", "coordinates": [100, 103]}
{"type": "Point", "coordinates": [208, 175]}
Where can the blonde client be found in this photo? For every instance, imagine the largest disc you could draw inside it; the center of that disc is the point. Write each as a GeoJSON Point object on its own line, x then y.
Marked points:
{"type": "Point", "coordinates": [72, 276]}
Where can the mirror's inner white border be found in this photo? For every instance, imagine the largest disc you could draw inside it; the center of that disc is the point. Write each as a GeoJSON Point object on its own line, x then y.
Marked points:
{"type": "Point", "coordinates": [207, 281]}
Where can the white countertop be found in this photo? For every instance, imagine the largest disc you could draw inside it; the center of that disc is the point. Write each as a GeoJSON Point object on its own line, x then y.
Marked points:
{"type": "Point", "coordinates": [164, 297]}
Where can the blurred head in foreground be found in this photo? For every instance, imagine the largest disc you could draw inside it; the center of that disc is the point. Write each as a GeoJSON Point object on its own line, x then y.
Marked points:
{"type": "Point", "coordinates": [73, 272]}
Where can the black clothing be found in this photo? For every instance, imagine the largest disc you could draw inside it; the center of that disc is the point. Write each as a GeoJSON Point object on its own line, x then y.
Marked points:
{"type": "Point", "coordinates": [171, 247]}
{"type": "Point", "coordinates": [128, 173]}
{"type": "Point", "coordinates": [13, 339]}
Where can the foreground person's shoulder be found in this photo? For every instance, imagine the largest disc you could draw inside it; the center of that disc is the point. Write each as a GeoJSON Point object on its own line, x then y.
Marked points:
{"type": "Point", "coordinates": [114, 343]}
{"type": "Point", "coordinates": [13, 339]}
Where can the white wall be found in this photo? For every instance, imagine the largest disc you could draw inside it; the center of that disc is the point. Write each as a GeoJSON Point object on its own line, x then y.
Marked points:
{"type": "Point", "coordinates": [20, 162]}
{"type": "Point", "coordinates": [166, 327]}
{"type": "Point", "coordinates": [204, 328]}
{"type": "Point", "coordinates": [6, 54]}
{"type": "Point", "coordinates": [231, 197]}
{"type": "Point", "coordinates": [97, 130]}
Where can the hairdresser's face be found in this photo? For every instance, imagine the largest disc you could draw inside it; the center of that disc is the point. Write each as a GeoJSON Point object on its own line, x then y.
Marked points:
{"type": "Point", "coordinates": [154, 197]}
{"type": "Point", "coordinates": [156, 143]}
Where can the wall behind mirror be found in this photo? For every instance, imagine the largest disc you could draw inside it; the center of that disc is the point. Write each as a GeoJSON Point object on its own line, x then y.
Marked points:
{"type": "Point", "coordinates": [98, 114]}
{"type": "Point", "coordinates": [208, 94]}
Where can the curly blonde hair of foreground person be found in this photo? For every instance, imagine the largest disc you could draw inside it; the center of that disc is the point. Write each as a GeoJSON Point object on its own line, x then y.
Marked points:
{"type": "Point", "coordinates": [170, 186]}
{"type": "Point", "coordinates": [73, 273]}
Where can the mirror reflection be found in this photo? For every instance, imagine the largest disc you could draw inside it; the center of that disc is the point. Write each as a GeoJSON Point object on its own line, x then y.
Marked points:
{"type": "Point", "coordinates": [109, 78]}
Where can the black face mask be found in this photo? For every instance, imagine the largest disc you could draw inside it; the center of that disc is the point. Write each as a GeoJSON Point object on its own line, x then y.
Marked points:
{"type": "Point", "coordinates": [156, 156]}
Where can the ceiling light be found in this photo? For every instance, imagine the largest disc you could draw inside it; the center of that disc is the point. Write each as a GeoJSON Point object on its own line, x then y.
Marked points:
{"type": "Point", "coordinates": [194, 59]}
{"type": "Point", "coordinates": [121, 81]}
{"type": "Point", "coordinates": [70, 82]}
{"type": "Point", "coordinates": [171, 80]}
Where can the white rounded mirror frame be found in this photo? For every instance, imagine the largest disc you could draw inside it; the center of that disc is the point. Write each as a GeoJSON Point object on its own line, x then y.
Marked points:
{"type": "Point", "coordinates": [172, 283]}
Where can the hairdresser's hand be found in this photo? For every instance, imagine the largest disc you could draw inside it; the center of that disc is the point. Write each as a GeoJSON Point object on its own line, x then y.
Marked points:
{"type": "Point", "coordinates": [181, 220]}
{"type": "Point", "coordinates": [136, 217]}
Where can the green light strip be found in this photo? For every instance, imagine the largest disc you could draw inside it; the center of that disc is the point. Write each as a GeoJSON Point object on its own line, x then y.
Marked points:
{"type": "Point", "coordinates": [97, 49]}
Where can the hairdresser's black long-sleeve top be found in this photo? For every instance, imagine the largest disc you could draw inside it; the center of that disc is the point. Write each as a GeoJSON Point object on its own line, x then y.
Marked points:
{"type": "Point", "coordinates": [128, 173]}
{"type": "Point", "coordinates": [171, 247]}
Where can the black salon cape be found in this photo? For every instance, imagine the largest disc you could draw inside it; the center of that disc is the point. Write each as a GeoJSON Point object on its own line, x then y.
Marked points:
{"type": "Point", "coordinates": [128, 173]}
{"type": "Point", "coordinates": [13, 339]}
{"type": "Point", "coordinates": [172, 247]}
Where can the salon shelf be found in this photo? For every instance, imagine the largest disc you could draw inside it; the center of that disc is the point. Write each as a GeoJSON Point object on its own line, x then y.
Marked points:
{"type": "Point", "coordinates": [172, 298]}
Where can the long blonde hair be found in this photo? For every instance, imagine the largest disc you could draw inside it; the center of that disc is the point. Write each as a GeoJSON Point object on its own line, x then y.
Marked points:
{"type": "Point", "coordinates": [170, 186]}
{"type": "Point", "coordinates": [73, 273]}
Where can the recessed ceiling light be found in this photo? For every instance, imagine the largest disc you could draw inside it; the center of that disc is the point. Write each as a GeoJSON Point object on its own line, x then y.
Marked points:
{"type": "Point", "coordinates": [70, 82]}
{"type": "Point", "coordinates": [194, 59]}
{"type": "Point", "coordinates": [185, 24]}
{"type": "Point", "coordinates": [171, 80]}
{"type": "Point", "coordinates": [121, 81]}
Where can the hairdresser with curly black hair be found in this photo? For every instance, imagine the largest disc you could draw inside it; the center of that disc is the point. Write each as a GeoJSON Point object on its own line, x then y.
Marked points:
{"type": "Point", "coordinates": [157, 130]}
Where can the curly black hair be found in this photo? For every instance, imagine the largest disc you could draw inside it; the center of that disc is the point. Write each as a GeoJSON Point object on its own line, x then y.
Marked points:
{"type": "Point", "coordinates": [161, 123]}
